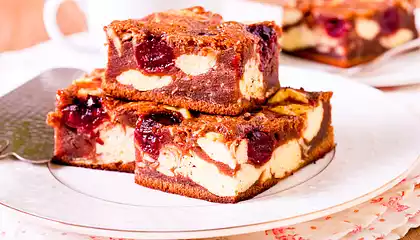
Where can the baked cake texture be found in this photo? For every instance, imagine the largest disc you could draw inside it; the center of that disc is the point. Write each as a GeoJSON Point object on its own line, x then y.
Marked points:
{"type": "Point", "coordinates": [346, 33]}
{"type": "Point", "coordinates": [228, 159]}
{"type": "Point", "coordinates": [193, 59]}
{"type": "Point", "coordinates": [216, 158]}
{"type": "Point", "coordinates": [89, 130]}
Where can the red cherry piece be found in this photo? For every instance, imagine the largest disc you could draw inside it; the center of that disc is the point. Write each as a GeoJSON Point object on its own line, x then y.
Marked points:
{"type": "Point", "coordinates": [268, 37]}
{"type": "Point", "coordinates": [260, 147]}
{"type": "Point", "coordinates": [84, 115]}
{"type": "Point", "coordinates": [336, 27]}
{"type": "Point", "coordinates": [149, 136]}
{"type": "Point", "coordinates": [390, 21]}
{"type": "Point", "coordinates": [154, 55]}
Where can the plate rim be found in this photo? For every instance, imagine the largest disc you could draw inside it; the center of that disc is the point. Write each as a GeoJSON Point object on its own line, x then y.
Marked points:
{"type": "Point", "coordinates": [377, 81]}
{"type": "Point", "coordinates": [220, 232]}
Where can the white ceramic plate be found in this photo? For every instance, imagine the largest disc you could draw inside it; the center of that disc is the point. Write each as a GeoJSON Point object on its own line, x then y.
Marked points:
{"type": "Point", "coordinates": [401, 70]}
{"type": "Point", "coordinates": [378, 142]}
{"type": "Point", "coordinates": [398, 71]}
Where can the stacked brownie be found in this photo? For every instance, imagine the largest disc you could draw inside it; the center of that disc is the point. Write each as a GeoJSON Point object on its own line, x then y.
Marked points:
{"type": "Point", "coordinates": [193, 106]}
{"type": "Point", "coordinates": [346, 33]}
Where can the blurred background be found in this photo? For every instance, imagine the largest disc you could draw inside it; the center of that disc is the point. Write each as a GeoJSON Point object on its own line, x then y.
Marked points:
{"type": "Point", "coordinates": [21, 22]}
{"type": "Point", "coordinates": [22, 26]}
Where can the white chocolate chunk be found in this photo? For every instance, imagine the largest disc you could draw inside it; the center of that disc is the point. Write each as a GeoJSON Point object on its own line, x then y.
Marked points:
{"type": "Point", "coordinates": [252, 83]}
{"type": "Point", "coordinates": [340, 50]}
{"type": "Point", "coordinates": [401, 36]}
{"type": "Point", "coordinates": [196, 64]}
{"type": "Point", "coordinates": [240, 151]}
{"type": "Point", "coordinates": [285, 159]}
{"type": "Point", "coordinates": [314, 121]}
{"type": "Point", "coordinates": [291, 16]}
{"type": "Point", "coordinates": [118, 145]}
{"type": "Point", "coordinates": [367, 29]}
{"type": "Point", "coordinates": [217, 151]}
{"type": "Point", "coordinates": [169, 157]}
{"type": "Point", "coordinates": [142, 82]}
{"type": "Point", "coordinates": [88, 91]}
{"type": "Point", "coordinates": [298, 37]}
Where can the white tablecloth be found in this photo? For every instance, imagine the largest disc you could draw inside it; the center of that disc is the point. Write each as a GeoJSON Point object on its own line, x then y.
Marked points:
{"type": "Point", "coordinates": [20, 66]}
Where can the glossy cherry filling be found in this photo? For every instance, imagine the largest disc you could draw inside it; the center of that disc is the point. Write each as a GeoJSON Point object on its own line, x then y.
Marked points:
{"type": "Point", "coordinates": [84, 115]}
{"type": "Point", "coordinates": [336, 27]}
{"type": "Point", "coordinates": [390, 21]}
{"type": "Point", "coordinates": [150, 136]}
{"type": "Point", "coordinates": [260, 147]}
{"type": "Point", "coordinates": [154, 56]}
{"type": "Point", "coordinates": [268, 43]}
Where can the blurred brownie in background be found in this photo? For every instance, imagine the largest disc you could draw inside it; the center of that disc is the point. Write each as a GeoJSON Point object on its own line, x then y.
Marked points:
{"type": "Point", "coordinates": [345, 33]}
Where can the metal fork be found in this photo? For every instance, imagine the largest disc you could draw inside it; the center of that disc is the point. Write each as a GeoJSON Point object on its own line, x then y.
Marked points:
{"type": "Point", "coordinates": [4, 143]}
{"type": "Point", "coordinates": [404, 48]}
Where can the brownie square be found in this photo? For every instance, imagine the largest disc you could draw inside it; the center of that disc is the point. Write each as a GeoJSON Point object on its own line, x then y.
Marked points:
{"type": "Point", "coordinates": [228, 159]}
{"type": "Point", "coordinates": [191, 58]}
{"type": "Point", "coordinates": [217, 158]}
{"type": "Point", "coordinates": [90, 130]}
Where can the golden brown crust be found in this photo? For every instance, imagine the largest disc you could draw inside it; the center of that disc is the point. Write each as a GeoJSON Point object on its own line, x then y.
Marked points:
{"type": "Point", "coordinates": [186, 187]}
{"type": "Point", "coordinates": [116, 166]}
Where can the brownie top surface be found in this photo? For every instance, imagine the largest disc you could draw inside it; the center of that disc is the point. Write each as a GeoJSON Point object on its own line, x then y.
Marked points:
{"type": "Point", "coordinates": [186, 25]}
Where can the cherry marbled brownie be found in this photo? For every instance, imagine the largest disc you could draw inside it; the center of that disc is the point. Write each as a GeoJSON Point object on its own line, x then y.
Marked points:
{"type": "Point", "coordinates": [228, 159]}
{"type": "Point", "coordinates": [91, 130]}
{"type": "Point", "coordinates": [212, 157]}
{"type": "Point", "coordinates": [346, 33]}
{"type": "Point", "coordinates": [191, 58]}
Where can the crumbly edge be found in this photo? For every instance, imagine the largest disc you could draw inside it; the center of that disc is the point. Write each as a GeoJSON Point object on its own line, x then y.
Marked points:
{"type": "Point", "coordinates": [114, 89]}
{"type": "Point", "coordinates": [331, 60]}
{"type": "Point", "coordinates": [116, 166]}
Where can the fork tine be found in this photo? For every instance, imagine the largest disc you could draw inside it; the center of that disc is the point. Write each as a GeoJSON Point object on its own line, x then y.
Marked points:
{"type": "Point", "coordinates": [16, 156]}
{"type": "Point", "coordinates": [4, 143]}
